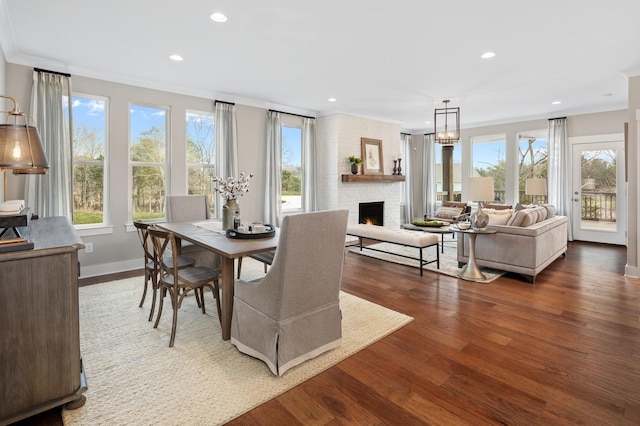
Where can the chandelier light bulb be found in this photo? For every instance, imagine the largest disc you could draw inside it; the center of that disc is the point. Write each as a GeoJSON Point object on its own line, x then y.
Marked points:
{"type": "Point", "coordinates": [17, 151]}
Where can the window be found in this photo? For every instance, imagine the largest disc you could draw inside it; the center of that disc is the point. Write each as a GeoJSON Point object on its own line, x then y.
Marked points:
{"type": "Point", "coordinates": [201, 158]}
{"type": "Point", "coordinates": [488, 160]}
{"type": "Point", "coordinates": [147, 161]}
{"type": "Point", "coordinates": [89, 158]}
{"type": "Point", "coordinates": [454, 163]}
{"type": "Point", "coordinates": [533, 151]}
{"type": "Point", "coordinates": [291, 169]}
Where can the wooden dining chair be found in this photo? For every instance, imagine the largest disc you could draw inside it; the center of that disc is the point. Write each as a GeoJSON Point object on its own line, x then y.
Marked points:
{"type": "Point", "coordinates": [151, 266]}
{"type": "Point", "coordinates": [179, 281]}
{"type": "Point", "coordinates": [264, 257]}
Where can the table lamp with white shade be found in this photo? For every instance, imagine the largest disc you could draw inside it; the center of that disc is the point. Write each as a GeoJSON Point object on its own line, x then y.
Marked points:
{"type": "Point", "coordinates": [480, 189]}
{"type": "Point", "coordinates": [535, 187]}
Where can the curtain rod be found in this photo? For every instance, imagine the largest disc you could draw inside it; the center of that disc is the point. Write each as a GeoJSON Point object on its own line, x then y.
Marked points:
{"type": "Point", "coordinates": [223, 102]}
{"type": "Point", "coordinates": [558, 118]}
{"type": "Point", "coordinates": [406, 134]}
{"type": "Point", "coordinates": [290, 113]}
{"type": "Point", "coordinates": [427, 134]}
{"type": "Point", "coordinates": [52, 72]}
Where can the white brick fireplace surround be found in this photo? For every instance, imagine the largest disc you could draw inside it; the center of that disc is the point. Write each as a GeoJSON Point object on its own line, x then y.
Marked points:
{"type": "Point", "coordinates": [338, 137]}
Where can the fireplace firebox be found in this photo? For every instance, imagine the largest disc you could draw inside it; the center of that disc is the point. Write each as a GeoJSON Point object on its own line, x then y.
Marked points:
{"type": "Point", "coordinates": [371, 213]}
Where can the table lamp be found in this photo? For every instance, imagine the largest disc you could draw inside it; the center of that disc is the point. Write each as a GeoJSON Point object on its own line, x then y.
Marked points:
{"type": "Point", "coordinates": [535, 187]}
{"type": "Point", "coordinates": [480, 189]}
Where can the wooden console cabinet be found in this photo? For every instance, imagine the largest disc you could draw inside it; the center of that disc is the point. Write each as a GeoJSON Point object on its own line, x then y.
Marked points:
{"type": "Point", "coordinates": [40, 363]}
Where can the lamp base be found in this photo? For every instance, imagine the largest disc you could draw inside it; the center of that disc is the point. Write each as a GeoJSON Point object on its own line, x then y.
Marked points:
{"type": "Point", "coordinates": [481, 219]}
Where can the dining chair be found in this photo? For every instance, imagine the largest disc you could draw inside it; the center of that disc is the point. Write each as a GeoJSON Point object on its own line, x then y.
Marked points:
{"type": "Point", "coordinates": [192, 208]}
{"type": "Point", "coordinates": [179, 281]}
{"type": "Point", "coordinates": [293, 313]}
{"type": "Point", "coordinates": [265, 257]}
{"type": "Point", "coordinates": [151, 267]}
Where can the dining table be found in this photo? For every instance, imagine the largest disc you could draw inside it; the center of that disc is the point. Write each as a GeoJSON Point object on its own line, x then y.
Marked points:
{"type": "Point", "coordinates": [209, 235]}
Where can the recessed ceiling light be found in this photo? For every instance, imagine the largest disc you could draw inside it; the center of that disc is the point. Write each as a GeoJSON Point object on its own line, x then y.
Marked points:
{"type": "Point", "coordinates": [427, 122]}
{"type": "Point", "coordinates": [177, 58]}
{"type": "Point", "coordinates": [332, 99]}
{"type": "Point", "coordinates": [487, 55]}
{"type": "Point", "coordinates": [556, 102]}
{"type": "Point", "coordinates": [218, 17]}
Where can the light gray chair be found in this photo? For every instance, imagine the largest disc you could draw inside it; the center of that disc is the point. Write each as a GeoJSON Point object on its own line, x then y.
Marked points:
{"type": "Point", "coordinates": [293, 313]}
{"type": "Point", "coordinates": [192, 208]}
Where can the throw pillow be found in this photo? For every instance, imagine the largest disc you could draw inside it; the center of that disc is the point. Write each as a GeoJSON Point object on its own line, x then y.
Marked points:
{"type": "Point", "coordinates": [523, 218]}
{"type": "Point", "coordinates": [551, 209]}
{"type": "Point", "coordinates": [448, 212]}
{"type": "Point", "coordinates": [498, 216]}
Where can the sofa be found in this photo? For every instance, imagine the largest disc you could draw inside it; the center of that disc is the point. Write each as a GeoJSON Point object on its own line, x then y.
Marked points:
{"type": "Point", "coordinates": [526, 241]}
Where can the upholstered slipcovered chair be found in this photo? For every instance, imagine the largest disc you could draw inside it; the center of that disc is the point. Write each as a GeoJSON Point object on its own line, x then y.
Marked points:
{"type": "Point", "coordinates": [293, 313]}
{"type": "Point", "coordinates": [192, 208]}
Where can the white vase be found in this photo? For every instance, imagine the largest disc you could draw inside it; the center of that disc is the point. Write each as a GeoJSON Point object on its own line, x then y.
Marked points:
{"type": "Point", "coordinates": [228, 211]}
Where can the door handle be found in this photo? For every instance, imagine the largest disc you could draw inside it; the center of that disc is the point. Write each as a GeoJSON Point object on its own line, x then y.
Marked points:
{"type": "Point", "coordinates": [576, 199]}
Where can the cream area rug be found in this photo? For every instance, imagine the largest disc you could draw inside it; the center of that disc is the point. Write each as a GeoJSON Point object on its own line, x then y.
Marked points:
{"type": "Point", "coordinates": [448, 259]}
{"type": "Point", "coordinates": [133, 377]}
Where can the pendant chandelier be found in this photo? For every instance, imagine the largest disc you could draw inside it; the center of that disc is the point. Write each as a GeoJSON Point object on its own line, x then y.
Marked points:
{"type": "Point", "coordinates": [20, 146]}
{"type": "Point", "coordinates": [446, 124]}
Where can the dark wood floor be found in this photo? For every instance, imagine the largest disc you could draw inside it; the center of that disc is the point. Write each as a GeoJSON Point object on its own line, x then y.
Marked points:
{"type": "Point", "coordinates": [564, 351]}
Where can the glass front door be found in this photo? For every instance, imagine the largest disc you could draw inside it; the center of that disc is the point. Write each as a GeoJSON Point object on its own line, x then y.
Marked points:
{"type": "Point", "coordinates": [598, 194]}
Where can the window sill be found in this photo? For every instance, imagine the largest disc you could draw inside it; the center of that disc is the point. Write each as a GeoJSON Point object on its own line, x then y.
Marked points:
{"type": "Point", "coordinates": [90, 230]}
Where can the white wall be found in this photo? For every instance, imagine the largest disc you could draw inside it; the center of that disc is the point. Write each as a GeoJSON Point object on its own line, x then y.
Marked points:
{"type": "Point", "coordinates": [3, 106]}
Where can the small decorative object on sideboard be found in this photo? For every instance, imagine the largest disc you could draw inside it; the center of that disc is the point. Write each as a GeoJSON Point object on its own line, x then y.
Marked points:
{"type": "Point", "coordinates": [355, 162]}
{"type": "Point", "coordinates": [395, 167]}
{"type": "Point", "coordinates": [399, 167]}
{"type": "Point", "coordinates": [231, 189]}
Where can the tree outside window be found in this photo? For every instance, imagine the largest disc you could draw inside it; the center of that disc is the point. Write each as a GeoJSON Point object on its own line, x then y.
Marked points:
{"type": "Point", "coordinates": [488, 160]}
{"type": "Point", "coordinates": [89, 160]}
{"type": "Point", "coordinates": [291, 168]}
{"type": "Point", "coordinates": [148, 161]}
{"type": "Point", "coordinates": [201, 155]}
{"type": "Point", "coordinates": [532, 163]}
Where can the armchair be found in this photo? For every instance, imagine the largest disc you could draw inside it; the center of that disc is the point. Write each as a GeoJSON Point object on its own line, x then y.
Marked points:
{"type": "Point", "coordinates": [293, 313]}
{"type": "Point", "coordinates": [450, 212]}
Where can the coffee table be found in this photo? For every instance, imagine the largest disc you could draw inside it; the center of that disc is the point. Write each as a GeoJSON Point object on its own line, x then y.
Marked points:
{"type": "Point", "coordinates": [442, 230]}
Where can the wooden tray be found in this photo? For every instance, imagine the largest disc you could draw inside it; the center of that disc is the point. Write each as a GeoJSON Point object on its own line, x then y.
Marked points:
{"type": "Point", "coordinates": [270, 232]}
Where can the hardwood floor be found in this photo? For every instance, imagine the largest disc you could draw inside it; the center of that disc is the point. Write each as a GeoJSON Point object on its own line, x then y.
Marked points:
{"type": "Point", "coordinates": [564, 351]}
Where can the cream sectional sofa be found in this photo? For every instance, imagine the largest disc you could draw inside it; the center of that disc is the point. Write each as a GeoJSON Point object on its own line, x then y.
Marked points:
{"type": "Point", "coordinates": [530, 240]}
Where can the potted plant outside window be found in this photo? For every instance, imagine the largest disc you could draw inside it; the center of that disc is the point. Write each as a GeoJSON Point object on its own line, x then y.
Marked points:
{"type": "Point", "coordinates": [355, 162]}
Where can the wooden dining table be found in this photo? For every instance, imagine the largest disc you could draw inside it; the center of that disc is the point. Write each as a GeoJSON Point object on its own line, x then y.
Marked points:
{"type": "Point", "coordinates": [209, 235]}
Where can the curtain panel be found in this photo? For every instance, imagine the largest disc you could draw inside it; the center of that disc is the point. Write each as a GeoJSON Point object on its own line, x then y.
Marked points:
{"type": "Point", "coordinates": [559, 170]}
{"type": "Point", "coordinates": [309, 168]}
{"type": "Point", "coordinates": [407, 186]}
{"type": "Point", "coordinates": [51, 194]}
{"type": "Point", "coordinates": [429, 184]}
{"type": "Point", "coordinates": [226, 146]}
{"type": "Point", "coordinates": [272, 179]}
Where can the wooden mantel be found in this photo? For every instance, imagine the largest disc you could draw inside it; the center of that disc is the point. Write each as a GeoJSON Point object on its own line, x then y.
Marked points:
{"type": "Point", "coordinates": [372, 178]}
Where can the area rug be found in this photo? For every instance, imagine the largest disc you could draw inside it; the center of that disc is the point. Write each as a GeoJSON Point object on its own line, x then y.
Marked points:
{"type": "Point", "coordinates": [134, 377]}
{"type": "Point", "coordinates": [448, 259]}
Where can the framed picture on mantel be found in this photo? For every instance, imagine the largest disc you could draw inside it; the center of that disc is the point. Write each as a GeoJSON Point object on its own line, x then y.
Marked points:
{"type": "Point", "coordinates": [371, 156]}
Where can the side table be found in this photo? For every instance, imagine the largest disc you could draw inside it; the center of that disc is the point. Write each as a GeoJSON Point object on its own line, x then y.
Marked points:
{"type": "Point", "coordinates": [471, 271]}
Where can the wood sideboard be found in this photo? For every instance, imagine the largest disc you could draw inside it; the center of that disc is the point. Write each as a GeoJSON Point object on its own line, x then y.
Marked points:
{"type": "Point", "coordinates": [40, 362]}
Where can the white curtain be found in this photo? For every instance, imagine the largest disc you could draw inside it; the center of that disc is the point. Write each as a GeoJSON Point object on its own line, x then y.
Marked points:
{"type": "Point", "coordinates": [407, 187]}
{"type": "Point", "coordinates": [51, 194]}
{"type": "Point", "coordinates": [309, 203]}
{"type": "Point", "coordinates": [226, 145]}
{"type": "Point", "coordinates": [430, 189]}
{"type": "Point", "coordinates": [272, 181]}
{"type": "Point", "coordinates": [559, 170]}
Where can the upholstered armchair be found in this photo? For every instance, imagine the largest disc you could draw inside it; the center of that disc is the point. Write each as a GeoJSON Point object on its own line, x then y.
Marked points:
{"type": "Point", "coordinates": [450, 212]}
{"type": "Point", "coordinates": [192, 208]}
{"type": "Point", "coordinates": [293, 313]}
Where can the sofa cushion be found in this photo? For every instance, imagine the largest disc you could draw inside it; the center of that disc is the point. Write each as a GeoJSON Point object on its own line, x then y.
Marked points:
{"type": "Point", "coordinates": [498, 216]}
{"type": "Point", "coordinates": [527, 216]}
{"type": "Point", "coordinates": [551, 210]}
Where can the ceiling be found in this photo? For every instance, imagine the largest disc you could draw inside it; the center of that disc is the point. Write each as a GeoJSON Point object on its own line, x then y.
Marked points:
{"type": "Point", "coordinates": [391, 61]}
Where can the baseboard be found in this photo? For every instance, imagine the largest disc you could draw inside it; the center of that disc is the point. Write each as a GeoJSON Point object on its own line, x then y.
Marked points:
{"type": "Point", "coordinates": [109, 268]}
{"type": "Point", "coordinates": [631, 271]}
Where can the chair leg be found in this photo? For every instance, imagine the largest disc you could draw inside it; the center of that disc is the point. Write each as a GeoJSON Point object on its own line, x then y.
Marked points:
{"type": "Point", "coordinates": [239, 266]}
{"type": "Point", "coordinates": [265, 268]}
{"type": "Point", "coordinates": [216, 295]}
{"type": "Point", "coordinates": [204, 311]}
{"type": "Point", "coordinates": [175, 303]}
{"type": "Point", "coordinates": [154, 286]}
{"type": "Point", "coordinates": [144, 292]}
{"type": "Point", "coordinates": [162, 296]}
